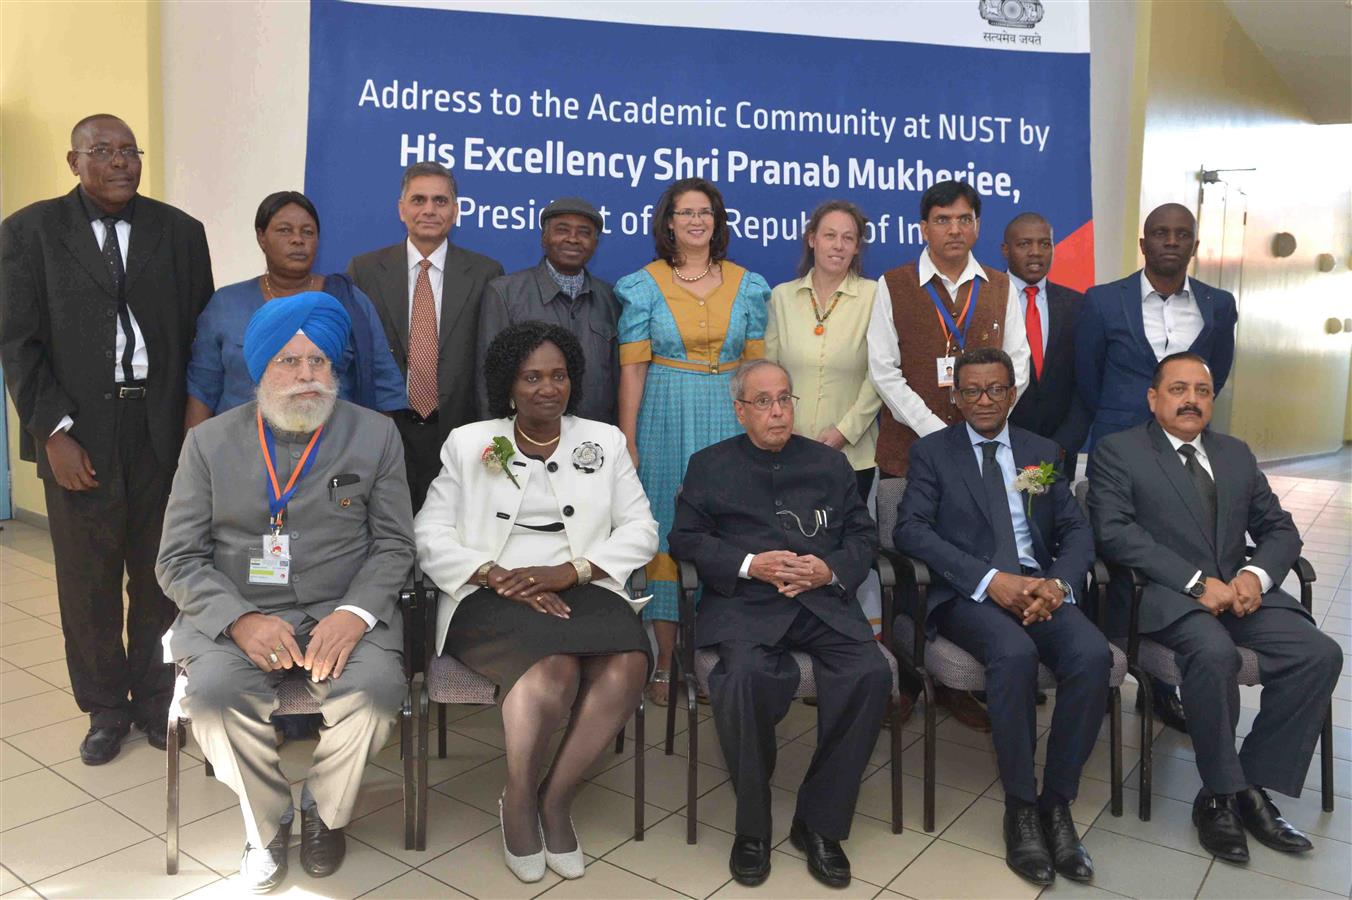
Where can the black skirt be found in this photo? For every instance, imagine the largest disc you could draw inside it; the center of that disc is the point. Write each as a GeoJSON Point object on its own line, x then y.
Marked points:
{"type": "Point", "coordinates": [500, 638]}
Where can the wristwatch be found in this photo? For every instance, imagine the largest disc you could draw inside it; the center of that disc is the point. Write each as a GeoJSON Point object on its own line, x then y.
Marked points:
{"type": "Point", "coordinates": [584, 570]}
{"type": "Point", "coordinates": [1198, 589]}
{"type": "Point", "coordinates": [1061, 583]}
{"type": "Point", "coordinates": [481, 573]}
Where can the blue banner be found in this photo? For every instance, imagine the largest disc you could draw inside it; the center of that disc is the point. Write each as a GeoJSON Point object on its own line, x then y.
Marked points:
{"type": "Point", "coordinates": [524, 109]}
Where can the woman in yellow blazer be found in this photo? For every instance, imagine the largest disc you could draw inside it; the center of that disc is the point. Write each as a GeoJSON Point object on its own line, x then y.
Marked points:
{"type": "Point", "coordinates": [817, 329]}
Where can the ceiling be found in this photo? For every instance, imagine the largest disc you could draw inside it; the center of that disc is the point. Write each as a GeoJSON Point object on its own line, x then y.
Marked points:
{"type": "Point", "coordinates": [1309, 43]}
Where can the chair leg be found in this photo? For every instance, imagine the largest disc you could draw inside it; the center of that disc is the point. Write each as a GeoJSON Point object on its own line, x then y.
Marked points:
{"type": "Point", "coordinates": [671, 723]}
{"type": "Point", "coordinates": [692, 770]}
{"type": "Point", "coordinates": [410, 770]}
{"type": "Point", "coordinates": [619, 742]}
{"type": "Point", "coordinates": [1326, 760]}
{"type": "Point", "coordinates": [1115, 748]}
{"type": "Point", "coordinates": [174, 743]}
{"type": "Point", "coordinates": [1147, 740]}
{"type": "Point", "coordinates": [640, 748]}
{"type": "Point", "coordinates": [441, 731]}
{"type": "Point", "coordinates": [930, 733]}
{"type": "Point", "coordinates": [896, 767]}
{"type": "Point", "coordinates": [423, 715]}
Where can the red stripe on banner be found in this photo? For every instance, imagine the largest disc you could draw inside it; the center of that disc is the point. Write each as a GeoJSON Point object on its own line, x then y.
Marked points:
{"type": "Point", "coordinates": [1073, 263]}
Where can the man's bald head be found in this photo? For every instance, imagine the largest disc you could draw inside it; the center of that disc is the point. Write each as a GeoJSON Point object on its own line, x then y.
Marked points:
{"type": "Point", "coordinates": [80, 134]}
{"type": "Point", "coordinates": [1026, 218]}
{"type": "Point", "coordinates": [1169, 210]}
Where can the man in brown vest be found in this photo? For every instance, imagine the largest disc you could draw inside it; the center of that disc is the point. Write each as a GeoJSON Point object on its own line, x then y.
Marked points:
{"type": "Point", "coordinates": [925, 314]}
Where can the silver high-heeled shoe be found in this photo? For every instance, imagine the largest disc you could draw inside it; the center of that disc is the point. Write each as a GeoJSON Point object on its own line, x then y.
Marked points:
{"type": "Point", "coordinates": [529, 868]}
{"type": "Point", "coordinates": [566, 865]}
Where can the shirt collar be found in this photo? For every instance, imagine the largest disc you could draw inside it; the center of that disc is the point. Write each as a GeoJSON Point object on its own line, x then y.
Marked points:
{"type": "Point", "coordinates": [1147, 288]}
{"type": "Point", "coordinates": [572, 285]}
{"type": "Point", "coordinates": [1001, 438]}
{"type": "Point", "coordinates": [437, 257]}
{"type": "Point", "coordinates": [1020, 284]}
{"type": "Point", "coordinates": [849, 287]}
{"type": "Point", "coordinates": [927, 269]}
{"type": "Point", "coordinates": [96, 214]}
{"type": "Point", "coordinates": [1196, 443]}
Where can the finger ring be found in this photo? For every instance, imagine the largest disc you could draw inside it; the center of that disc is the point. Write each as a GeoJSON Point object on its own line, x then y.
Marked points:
{"type": "Point", "coordinates": [278, 649]}
{"type": "Point", "coordinates": [530, 579]}
{"type": "Point", "coordinates": [272, 658]}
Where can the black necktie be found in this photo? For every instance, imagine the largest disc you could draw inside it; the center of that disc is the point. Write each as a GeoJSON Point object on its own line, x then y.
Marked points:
{"type": "Point", "coordinates": [1006, 557]}
{"type": "Point", "coordinates": [112, 255]}
{"type": "Point", "coordinates": [1206, 487]}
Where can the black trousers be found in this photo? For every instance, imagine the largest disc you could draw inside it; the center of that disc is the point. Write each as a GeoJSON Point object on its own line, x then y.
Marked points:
{"type": "Point", "coordinates": [97, 535]}
{"type": "Point", "coordinates": [750, 690]}
{"type": "Point", "coordinates": [1075, 651]}
{"type": "Point", "coordinates": [1299, 666]}
{"type": "Point", "coordinates": [422, 452]}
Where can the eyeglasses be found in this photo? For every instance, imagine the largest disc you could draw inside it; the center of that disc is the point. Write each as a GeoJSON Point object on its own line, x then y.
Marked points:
{"type": "Point", "coordinates": [105, 154]}
{"type": "Point", "coordinates": [705, 213]}
{"type": "Point", "coordinates": [763, 403]}
{"type": "Point", "coordinates": [964, 221]}
{"type": "Point", "coordinates": [318, 363]}
{"type": "Point", "coordinates": [996, 392]}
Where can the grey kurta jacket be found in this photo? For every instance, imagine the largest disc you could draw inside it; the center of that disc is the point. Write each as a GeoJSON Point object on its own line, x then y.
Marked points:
{"type": "Point", "coordinates": [351, 544]}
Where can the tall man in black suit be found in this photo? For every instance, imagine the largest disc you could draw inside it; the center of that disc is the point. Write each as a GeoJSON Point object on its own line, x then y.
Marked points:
{"type": "Point", "coordinates": [1173, 500]}
{"type": "Point", "coordinates": [1050, 406]}
{"type": "Point", "coordinates": [99, 294]}
{"type": "Point", "coordinates": [1006, 566]}
{"type": "Point", "coordinates": [782, 540]}
{"type": "Point", "coordinates": [427, 292]}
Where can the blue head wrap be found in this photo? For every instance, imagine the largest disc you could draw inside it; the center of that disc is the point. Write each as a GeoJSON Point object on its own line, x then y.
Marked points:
{"type": "Point", "coordinates": [319, 315]}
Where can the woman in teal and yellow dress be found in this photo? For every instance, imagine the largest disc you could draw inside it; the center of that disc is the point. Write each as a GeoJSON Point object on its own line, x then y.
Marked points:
{"type": "Point", "coordinates": [688, 319]}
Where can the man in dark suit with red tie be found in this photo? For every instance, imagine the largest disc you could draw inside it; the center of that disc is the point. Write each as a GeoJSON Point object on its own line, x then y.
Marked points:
{"type": "Point", "coordinates": [1050, 406]}
{"type": "Point", "coordinates": [99, 295]}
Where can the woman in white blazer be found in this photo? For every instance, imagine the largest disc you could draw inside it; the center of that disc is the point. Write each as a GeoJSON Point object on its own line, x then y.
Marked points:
{"type": "Point", "coordinates": [531, 530]}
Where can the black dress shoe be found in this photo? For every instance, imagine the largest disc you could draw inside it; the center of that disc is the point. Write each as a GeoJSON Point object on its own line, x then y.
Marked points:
{"type": "Point", "coordinates": [825, 859]}
{"type": "Point", "coordinates": [964, 708]}
{"type": "Point", "coordinates": [1068, 853]}
{"type": "Point", "coordinates": [101, 744]}
{"type": "Point", "coordinates": [157, 733]}
{"type": "Point", "coordinates": [1025, 848]}
{"type": "Point", "coordinates": [1261, 817]}
{"type": "Point", "coordinates": [750, 860]}
{"type": "Point", "coordinates": [1219, 828]}
{"type": "Point", "coordinates": [262, 869]}
{"type": "Point", "coordinates": [321, 848]}
{"type": "Point", "coordinates": [1168, 706]}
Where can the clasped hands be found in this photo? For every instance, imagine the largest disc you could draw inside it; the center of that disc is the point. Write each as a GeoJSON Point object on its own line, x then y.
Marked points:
{"type": "Point", "coordinates": [790, 573]}
{"type": "Point", "coordinates": [1242, 596]}
{"type": "Point", "coordinates": [536, 586]}
{"type": "Point", "coordinates": [270, 642]}
{"type": "Point", "coordinates": [1031, 599]}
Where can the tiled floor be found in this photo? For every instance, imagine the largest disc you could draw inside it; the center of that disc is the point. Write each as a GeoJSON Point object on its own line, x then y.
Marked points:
{"type": "Point", "coordinates": [71, 831]}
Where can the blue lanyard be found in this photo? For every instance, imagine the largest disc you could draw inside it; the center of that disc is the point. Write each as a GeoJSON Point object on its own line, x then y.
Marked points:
{"type": "Point", "coordinates": [951, 331]}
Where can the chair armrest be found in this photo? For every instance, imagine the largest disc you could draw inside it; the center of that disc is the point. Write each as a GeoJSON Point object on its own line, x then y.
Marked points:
{"type": "Point", "coordinates": [430, 597]}
{"type": "Point", "coordinates": [915, 576]}
{"type": "Point", "coordinates": [409, 612]}
{"type": "Point", "coordinates": [887, 577]}
{"type": "Point", "coordinates": [685, 631]}
{"type": "Point", "coordinates": [1305, 571]}
{"type": "Point", "coordinates": [638, 582]}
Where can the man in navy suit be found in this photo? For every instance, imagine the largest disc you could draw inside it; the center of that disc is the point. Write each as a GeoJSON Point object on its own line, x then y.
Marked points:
{"type": "Point", "coordinates": [1006, 567]}
{"type": "Point", "coordinates": [1125, 329]}
{"type": "Point", "coordinates": [1050, 406]}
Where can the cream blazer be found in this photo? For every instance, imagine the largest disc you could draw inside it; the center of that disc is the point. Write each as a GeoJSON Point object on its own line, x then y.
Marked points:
{"type": "Point", "coordinates": [470, 509]}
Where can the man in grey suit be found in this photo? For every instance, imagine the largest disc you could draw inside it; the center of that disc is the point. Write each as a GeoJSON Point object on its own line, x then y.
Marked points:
{"type": "Point", "coordinates": [560, 290]}
{"type": "Point", "coordinates": [427, 292]}
{"type": "Point", "coordinates": [286, 540]}
{"type": "Point", "coordinates": [1173, 500]}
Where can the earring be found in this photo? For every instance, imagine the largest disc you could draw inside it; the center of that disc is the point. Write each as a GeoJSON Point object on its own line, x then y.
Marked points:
{"type": "Point", "coordinates": [511, 404]}
{"type": "Point", "coordinates": [671, 234]}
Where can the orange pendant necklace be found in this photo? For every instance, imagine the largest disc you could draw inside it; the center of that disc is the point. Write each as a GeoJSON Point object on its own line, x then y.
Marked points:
{"type": "Point", "coordinates": [820, 316]}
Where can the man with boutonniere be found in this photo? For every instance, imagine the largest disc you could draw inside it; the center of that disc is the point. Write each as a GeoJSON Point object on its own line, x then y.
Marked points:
{"type": "Point", "coordinates": [1009, 550]}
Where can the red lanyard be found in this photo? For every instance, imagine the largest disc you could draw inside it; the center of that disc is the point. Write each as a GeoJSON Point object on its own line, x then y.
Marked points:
{"type": "Point", "coordinates": [278, 498]}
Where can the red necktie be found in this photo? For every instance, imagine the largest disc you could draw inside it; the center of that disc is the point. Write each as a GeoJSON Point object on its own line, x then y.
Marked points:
{"type": "Point", "coordinates": [422, 346]}
{"type": "Point", "coordinates": [1033, 325]}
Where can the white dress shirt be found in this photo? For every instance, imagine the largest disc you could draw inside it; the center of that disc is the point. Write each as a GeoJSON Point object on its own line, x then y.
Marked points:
{"type": "Point", "coordinates": [1264, 579]}
{"type": "Point", "coordinates": [1171, 323]}
{"type": "Point", "coordinates": [436, 275]}
{"type": "Point", "coordinates": [1023, 532]}
{"type": "Point", "coordinates": [884, 350]}
{"type": "Point", "coordinates": [1044, 312]}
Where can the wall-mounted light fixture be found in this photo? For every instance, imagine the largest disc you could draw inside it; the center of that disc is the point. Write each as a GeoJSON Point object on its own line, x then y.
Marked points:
{"type": "Point", "coordinates": [1325, 262]}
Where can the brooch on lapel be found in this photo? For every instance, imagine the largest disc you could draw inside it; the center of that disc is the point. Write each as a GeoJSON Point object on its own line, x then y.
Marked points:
{"type": "Point", "coordinates": [1035, 480]}
{"type": "Point", "coordinates": [588, 457]}
{"type": "Point", "coordinates": [496, 456]}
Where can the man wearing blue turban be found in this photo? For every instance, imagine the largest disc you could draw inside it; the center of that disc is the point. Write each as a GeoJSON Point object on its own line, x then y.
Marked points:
{"type": "Point", "coordinates": [286, 540]}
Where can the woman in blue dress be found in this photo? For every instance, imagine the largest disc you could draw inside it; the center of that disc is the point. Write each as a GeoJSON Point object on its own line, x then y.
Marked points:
{"type": "Point", "coordinates": [687, 320]}
{"type": "Point", "coordinates": [287, 227]}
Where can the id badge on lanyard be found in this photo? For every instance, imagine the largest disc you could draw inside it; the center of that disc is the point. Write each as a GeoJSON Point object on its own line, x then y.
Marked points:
{"type": "Point", "coordinates": [273, 565]}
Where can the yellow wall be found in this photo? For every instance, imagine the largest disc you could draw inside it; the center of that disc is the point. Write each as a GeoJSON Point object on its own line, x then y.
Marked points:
{"type": "Point", "coordinates": [59, 62]}
{"type": "Point", "coordinates": [1213, 100]}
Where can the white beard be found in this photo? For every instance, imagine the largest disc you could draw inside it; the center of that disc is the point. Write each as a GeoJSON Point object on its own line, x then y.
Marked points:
{"type": "Point", "coordinates": [286, 412]}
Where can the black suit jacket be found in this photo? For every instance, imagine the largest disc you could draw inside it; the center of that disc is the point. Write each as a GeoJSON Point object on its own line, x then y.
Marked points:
{"type": "Point", "coordinates": [945, 521]}
{"type": "Point", "coordinates": [383, 275]}
{"type": "Point", "coordinates": [1051, 406]}
{"type": "Point", "coordinates": [728, 507]}
{"type": "Point", "coordinates": [1147, 515]}
{"type": "Point", "coordinates": [58, 322]}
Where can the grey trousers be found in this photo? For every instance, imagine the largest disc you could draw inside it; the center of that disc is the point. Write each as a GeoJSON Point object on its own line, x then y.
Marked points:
{"type": "Point", "coordinates": [231, 702]}
{"type": "Point", "coordinates": [1299, 666]}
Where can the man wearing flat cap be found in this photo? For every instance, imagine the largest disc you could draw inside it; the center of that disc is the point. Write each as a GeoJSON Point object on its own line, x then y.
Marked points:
{"type": "Point", "coordinates": [559, 290]}
{"type": "Point", "coordinates": [286, 540]}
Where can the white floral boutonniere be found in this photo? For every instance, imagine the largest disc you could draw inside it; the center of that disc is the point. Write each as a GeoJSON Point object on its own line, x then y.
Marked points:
{"type": "Point", "coordinates": [496, 456]}
{"type": "Point", "coordinates": [1035, 480]}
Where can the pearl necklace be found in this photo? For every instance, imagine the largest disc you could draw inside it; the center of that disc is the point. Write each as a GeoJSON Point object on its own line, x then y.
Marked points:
{"type": "Point", "coordinates": [707, 269]}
